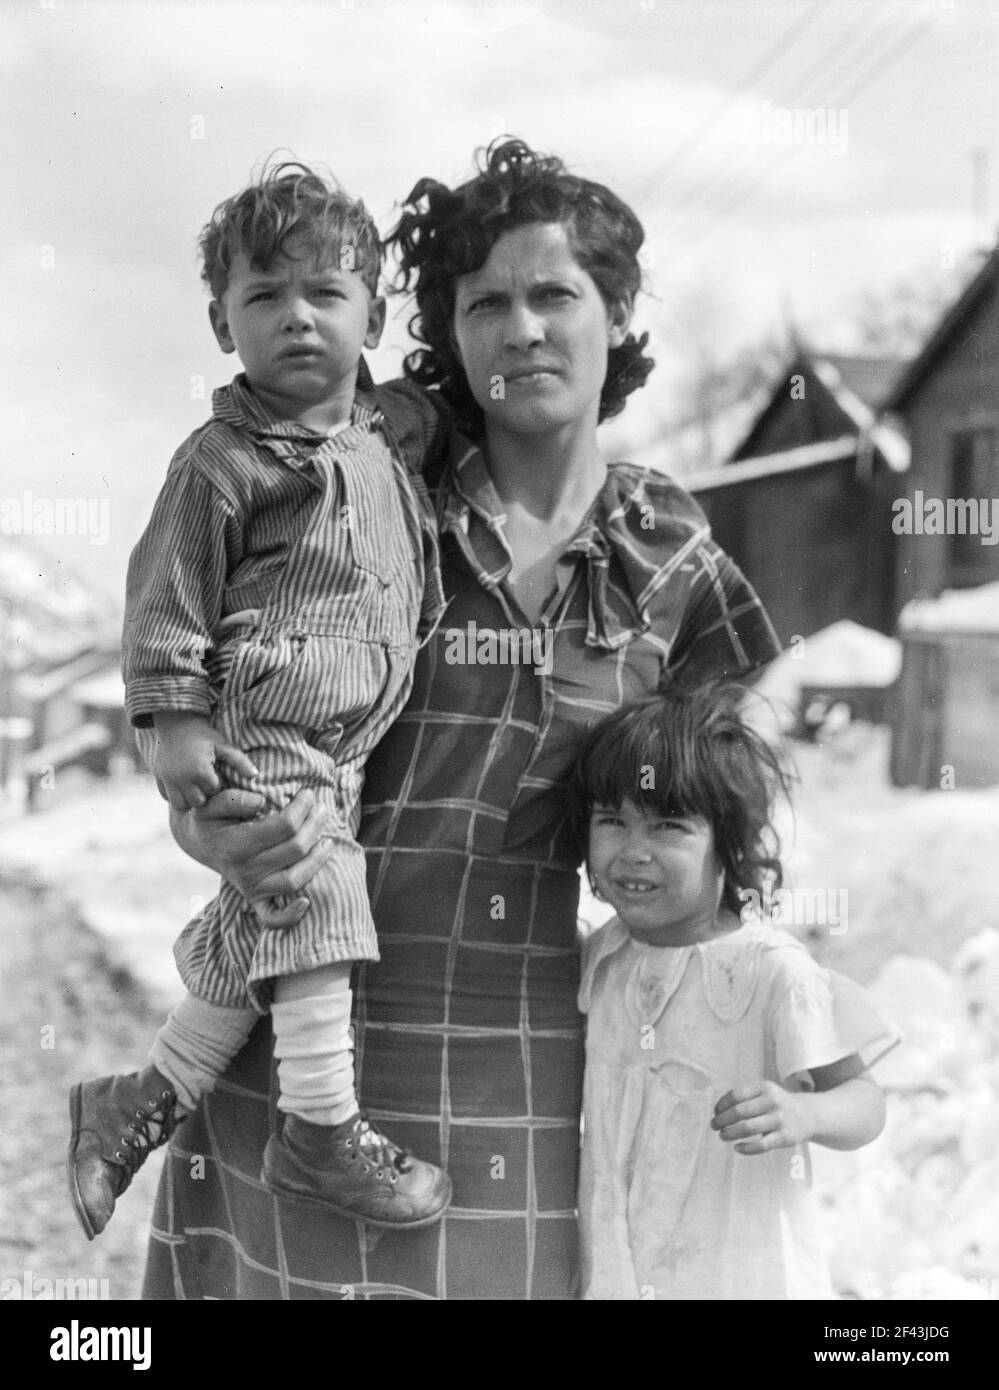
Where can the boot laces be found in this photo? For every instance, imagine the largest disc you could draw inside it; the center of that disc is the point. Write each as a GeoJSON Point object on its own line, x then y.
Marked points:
{"type": "Point", "coordinates": [152, 1126]}
{"type": "Point", "coordinates": [380, 1150]}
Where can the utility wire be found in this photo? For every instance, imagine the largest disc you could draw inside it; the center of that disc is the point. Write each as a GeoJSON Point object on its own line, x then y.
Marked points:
{"type": "Point", "coordinates": [711, 187]}
{"type": "Point", "coordinates": [690, 142]}
{"type": "Point", "coordinates": [885, 60]}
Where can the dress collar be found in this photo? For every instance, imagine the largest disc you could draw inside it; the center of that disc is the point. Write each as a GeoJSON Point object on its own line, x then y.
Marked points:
{"type": "Point", "coordinates": [639, 521]}
{"type": "Point", "coordinates": [729, 969]}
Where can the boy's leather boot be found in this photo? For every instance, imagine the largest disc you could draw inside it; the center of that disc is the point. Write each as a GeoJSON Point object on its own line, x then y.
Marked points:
{"type": "Point", "coordinates": [116, 1122]}
{"type": "Point", "coordinates": [356, 1171]}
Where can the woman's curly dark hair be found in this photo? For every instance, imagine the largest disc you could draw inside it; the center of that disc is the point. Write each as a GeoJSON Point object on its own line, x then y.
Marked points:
{"type": "Point", "coordinates": [444, 233]}
{"type": "Point", "coordinates": [691, 753]}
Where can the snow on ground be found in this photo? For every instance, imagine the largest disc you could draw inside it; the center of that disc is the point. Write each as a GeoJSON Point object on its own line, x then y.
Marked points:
{"type": "Point", "coordinates": [919, 867]}
{"type": "Point", "coordinates": [107, 845]}
{"type": "Point", "coordinates": [912, 876]}
{"type": "Point", "coordinates": [898, 891]}
{"type": "Point", "coordinates": [61, 991]}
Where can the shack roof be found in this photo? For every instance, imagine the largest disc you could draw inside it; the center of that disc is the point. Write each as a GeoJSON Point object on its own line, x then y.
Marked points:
{"type": "Point", "coordinates": [855, 386]}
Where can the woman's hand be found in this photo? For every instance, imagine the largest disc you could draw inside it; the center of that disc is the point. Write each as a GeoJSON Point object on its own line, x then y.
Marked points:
{"type": "Point", "coordinates": [759, 1119]}
{"type": "Point", "coordinates": [262, 856]}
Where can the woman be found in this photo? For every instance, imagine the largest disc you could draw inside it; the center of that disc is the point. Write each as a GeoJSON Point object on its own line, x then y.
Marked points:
{"type": "Point", "coordinates": [572, 588]}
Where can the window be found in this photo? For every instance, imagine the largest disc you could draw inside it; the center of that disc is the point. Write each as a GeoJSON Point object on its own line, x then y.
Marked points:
{"type": "Point", "coordinates": [974, 476]}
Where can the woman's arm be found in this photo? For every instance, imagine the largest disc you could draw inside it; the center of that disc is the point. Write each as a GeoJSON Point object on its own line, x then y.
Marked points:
{"type": "Point", "coordinates": [261, 856]}
{"type": "Point", "coordinates": [417, 421]}
{"type": "Point", "coordinates": [845, 1111]}
{"type": "Point", "coordinates": [725, 630]}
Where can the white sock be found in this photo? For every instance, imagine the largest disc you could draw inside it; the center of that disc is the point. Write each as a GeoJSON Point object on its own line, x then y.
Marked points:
{"type": "Point", "coordinates": [315, 1057]}
{"type": "Point", "coordinates": [197, 1043]}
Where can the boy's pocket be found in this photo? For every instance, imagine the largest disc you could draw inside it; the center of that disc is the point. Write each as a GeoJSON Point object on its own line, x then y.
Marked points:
{"type": "Point", "coordinates": [265, 675]}
{"type": "Point", "coordinates": [380, 549]}
{"type": "Point", "coordinates": [376, 529]}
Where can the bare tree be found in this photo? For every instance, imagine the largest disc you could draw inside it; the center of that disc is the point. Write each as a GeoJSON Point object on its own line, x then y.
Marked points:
{"type": "Point", "coordinates": [896, 321]}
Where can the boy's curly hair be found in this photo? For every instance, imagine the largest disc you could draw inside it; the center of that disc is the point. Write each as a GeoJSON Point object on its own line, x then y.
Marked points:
{"type": "Point", "coordinates": [289, 199]}
{"type": "Point", "coordinates": [443, 233]}
{"type": "Point", "coordinates": [691, 753]}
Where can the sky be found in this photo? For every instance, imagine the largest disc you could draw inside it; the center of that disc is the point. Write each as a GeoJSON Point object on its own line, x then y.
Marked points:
{"type": "Point", "coordinates": [125, 124]}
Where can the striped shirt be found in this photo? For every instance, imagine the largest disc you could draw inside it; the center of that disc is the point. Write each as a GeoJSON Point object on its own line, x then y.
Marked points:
{"type": "Point", "coordinates": [239, 493]}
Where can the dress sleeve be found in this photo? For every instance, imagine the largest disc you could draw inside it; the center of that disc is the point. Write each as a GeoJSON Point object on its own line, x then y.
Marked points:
{"type": "Point", "coordinates": [173, 596]}
{"type": "Point", "coordinates": [725, 632]}
{"type": "Point", "coordinates": [819, 1017]}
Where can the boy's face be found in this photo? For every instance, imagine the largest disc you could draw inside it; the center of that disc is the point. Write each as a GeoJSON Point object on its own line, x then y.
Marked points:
{"type": "Point", "coordinates": [299, 328]}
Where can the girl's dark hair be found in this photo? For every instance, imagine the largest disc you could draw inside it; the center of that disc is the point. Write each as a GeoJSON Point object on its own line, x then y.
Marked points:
{"type": "Point", "coordinates": [691, 753]}
{"type": "Point", "coordinates": [444, 233]}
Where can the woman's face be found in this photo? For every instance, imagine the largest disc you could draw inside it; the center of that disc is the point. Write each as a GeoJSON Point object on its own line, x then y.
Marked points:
{"type": "Point", "coordinates": [533, 331]}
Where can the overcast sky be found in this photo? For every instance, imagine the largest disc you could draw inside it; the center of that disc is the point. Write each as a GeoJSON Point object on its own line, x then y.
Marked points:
{"type": "Point", "coordinates": [124, 125]}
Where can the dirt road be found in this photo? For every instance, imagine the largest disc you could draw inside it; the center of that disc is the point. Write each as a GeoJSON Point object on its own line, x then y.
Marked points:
{"type": "Point", "coordinates": [66, 1015]}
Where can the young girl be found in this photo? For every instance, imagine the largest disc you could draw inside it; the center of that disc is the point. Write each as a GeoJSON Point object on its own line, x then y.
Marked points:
{"type": "Point", "coordinates": [716, 1049]}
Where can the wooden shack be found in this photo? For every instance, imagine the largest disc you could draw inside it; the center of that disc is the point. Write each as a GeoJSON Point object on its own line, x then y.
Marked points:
{"type": "Point", "coordinates": [945, 731]}
{"type": "Point", "coordinates": [804, 502]}
{"type": "Point", "coordinates": [945, 728]}
{"type": "Point", "coordinates": [948, 398]}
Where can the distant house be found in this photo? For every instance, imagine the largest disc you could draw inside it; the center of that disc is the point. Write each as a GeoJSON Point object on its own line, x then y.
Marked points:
{"type": "Point", "coordinates": [949, 399]}
{"type": "Point", "coordinates": [61, 699]}
{"type": "Point", "coordinates": [804, 502]}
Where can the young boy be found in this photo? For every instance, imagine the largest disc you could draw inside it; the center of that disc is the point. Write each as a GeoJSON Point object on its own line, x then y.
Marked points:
{"type": "Point", "coordinates": [274, 607]}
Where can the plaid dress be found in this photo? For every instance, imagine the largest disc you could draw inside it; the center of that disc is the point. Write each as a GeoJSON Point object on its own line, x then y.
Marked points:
{"type": "Point", "coordinates": [469, 1045]}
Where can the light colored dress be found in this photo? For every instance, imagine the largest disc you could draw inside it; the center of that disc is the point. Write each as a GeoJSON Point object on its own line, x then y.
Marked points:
{"type": "Point", "coordinates": [666, 1208]}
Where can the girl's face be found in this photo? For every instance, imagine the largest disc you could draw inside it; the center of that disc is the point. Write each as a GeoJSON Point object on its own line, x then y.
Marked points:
{"type": "Point", "coordinates": [660, 873]}
{"type": "Point", "coordinates": [532, 332]}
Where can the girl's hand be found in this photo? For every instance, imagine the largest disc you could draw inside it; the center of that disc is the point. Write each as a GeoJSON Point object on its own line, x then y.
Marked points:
{"type": "Point", "coordinates": [262, 856]}
{"type": "Point", "coordinates": [845, 1111]}
{"type": "Point", "coordinates": [759, 1119]}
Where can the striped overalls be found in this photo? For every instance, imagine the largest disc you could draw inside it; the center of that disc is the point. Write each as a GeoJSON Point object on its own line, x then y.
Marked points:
{"type": "Point", "coordinates": [309, 689]}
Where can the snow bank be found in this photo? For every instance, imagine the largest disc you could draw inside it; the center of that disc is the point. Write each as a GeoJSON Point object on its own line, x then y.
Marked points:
{"type": "Point", "coordinates": [110, 850]}
{"type": "Point", "coordinates": [956, 610]}
{"type": "Point", "coordinates": [844, 654]}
